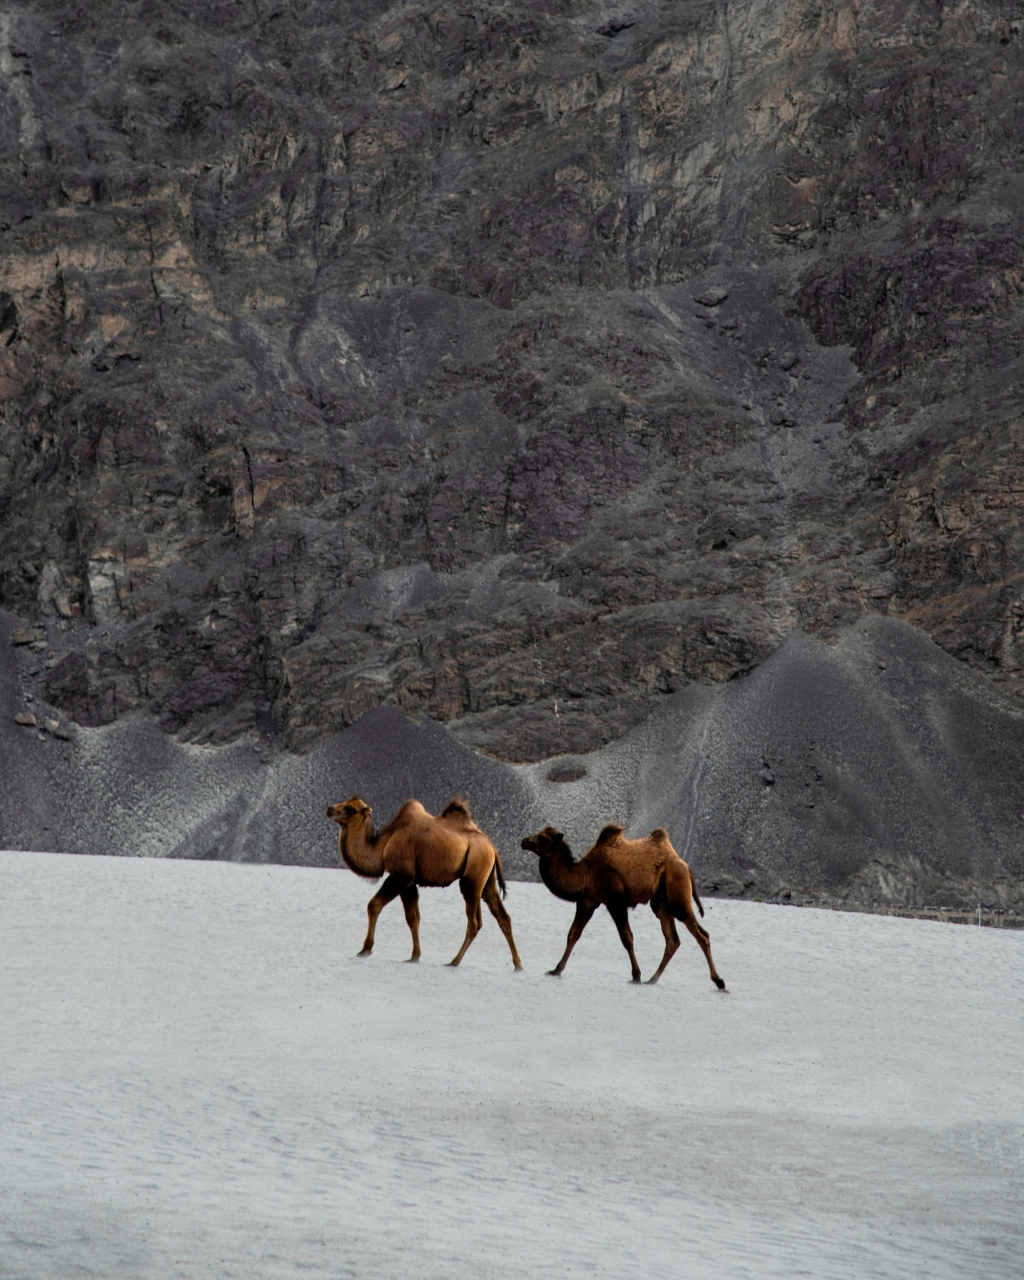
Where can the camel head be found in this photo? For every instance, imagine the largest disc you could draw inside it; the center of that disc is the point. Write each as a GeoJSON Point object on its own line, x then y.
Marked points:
{"type": "Point", "coordinates": [545, 843]}
{"type": "Point", "coordinates": [351, 811]}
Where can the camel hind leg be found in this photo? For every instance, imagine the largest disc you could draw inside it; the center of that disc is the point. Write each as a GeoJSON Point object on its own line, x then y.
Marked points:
{"type": "Point", "coordinates": [672, 944]}
{"type": "Point", "coordinates": [471, 891]}
{"type": "Point", "coordinates": [678, 893]}
{"type": "Point", "coordinates": [411, 903]}
{"type": "Point", "coordinates": [704, 942]}
{"type": "Point", "coordinates": [497, 909]}
{"type": "Point", "coordinates": [388, 891]}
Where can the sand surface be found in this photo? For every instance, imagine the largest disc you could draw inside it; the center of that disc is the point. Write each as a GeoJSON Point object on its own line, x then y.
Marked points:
{"type": "Point", "coordinates": [199, 1079]}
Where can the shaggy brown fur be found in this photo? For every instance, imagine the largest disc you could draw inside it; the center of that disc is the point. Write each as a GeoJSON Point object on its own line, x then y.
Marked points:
{"type": "Point", "coordinates": [416, 848]}
{"type": "Point", "coordinates": [620, 874]}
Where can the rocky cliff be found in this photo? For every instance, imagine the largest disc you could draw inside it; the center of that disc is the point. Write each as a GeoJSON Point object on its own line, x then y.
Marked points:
{"type": "Point", "coordinates": [516, 364]}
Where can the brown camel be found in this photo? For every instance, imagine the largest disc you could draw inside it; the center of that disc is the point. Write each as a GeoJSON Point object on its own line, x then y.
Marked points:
{"type": "Point", "coordinates": [415, 848]}
{"type": "Point", "coordinates": [621, 874]}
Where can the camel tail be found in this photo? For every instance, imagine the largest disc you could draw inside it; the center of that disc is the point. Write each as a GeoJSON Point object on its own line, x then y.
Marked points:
{"type": "Point", "coordinates": [500, 874]}
{"type": "Point", "coordinates": [696, 897]}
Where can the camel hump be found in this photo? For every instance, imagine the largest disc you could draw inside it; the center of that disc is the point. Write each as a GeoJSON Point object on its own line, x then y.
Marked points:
{"type": "Point", "coordinates": [411, 808]}
{"type": "Point", "coordinates": [458, 811]}
{"type": "Point", "coordinates": [609, 833]}
{"type": "Point", "coordinates": [661, 835]}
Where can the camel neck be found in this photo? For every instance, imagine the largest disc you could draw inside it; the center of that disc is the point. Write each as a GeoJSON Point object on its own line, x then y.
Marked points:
{"type": "Point", "coordinates": [359, 851]}
{"type": "Point", "coordinates": [562, 875]}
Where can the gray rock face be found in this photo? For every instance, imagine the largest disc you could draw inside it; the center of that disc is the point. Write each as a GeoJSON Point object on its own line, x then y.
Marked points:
{"type": "Point", "coordinates": [520, 366]}
{"type": "Point", "coordinates": [878, 769]}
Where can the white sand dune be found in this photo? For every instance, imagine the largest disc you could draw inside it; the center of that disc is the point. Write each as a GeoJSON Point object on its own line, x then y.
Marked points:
{"type": "Point", "coordinates": [199, 1079]}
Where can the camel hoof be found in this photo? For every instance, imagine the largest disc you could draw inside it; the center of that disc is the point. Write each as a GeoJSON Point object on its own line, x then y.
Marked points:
{"type": "Point", "coordinates": [719, 983]}
{"type": "Point", "coordinates": [651, 981]}
{"type": "Point", "coordinates": [553, 973]}
{"type": "Point", "coordinates": [365, 952]}
{"type": "Point", "coordinates": [518, 968]}
{"type": "Point", "coordinates": [452, 964]}
{"type": "Point", "coordinates": [636, 979]}
{"type": "Point", "coordinates": [413, 960]}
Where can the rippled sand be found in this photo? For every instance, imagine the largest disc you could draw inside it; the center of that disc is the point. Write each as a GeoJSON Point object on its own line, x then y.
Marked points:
{"type": "Point", "coordinates": [199, 1079]}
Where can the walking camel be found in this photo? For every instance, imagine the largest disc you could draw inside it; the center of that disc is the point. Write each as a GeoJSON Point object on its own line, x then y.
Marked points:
{"type": "Point", "coordinates": [620, 874]}
{"type": "Point", "coordinates": [415, 848]}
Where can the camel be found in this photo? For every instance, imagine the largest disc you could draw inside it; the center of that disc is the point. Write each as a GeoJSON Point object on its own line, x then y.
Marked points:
{"type": "Point", "coordinates": [415, 848]}
{"type": "Point", "coordinates": [621, 874]}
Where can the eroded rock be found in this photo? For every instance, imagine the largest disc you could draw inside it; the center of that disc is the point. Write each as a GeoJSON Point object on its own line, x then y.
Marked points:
{"type": "Point", "coordinates": [350, 357]}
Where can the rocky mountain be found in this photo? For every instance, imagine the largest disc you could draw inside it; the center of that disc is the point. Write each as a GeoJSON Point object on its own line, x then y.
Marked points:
{"type": "Point", "coordinates": [876, 770]}
{"type": "Point", "coordinates": [515, 364]}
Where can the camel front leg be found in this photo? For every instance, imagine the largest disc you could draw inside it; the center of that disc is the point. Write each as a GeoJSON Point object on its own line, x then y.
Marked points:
{"type": "Point", "coordinates": [497, 909]}
{"type": "Point", "coordinates": [471, 892]}
{"type": "Point", "coordinates": [620, 915]}
{"type": "Point", "coordinates": [584, 911]}
{"type": "Point", "coordinates": [668, 928]}
{"type": "Point", "coordinates": [388, 891]}
{"type": "Point", "coordinates": [411, 903]}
